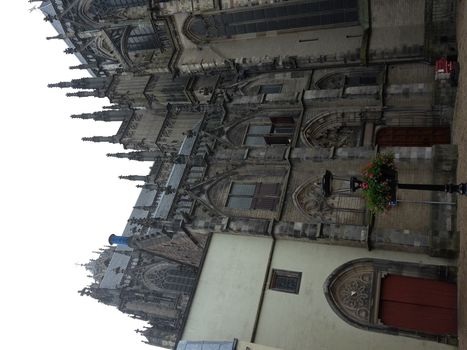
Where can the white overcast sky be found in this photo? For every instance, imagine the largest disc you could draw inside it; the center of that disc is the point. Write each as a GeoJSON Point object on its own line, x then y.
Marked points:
{"type": "Point", "coordinates": [60, 197]}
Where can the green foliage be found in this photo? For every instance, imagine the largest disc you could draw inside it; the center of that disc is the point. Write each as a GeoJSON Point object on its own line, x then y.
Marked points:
{"type": "Point", "coordinates": [376, 186]}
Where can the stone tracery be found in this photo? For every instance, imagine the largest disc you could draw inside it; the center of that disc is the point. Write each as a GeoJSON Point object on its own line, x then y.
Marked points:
{"type": "Point", "coordinates": [353, 292]}
{"type": "Point", "coordinates": [340, 207]}
{"type": "Point", "coordinates": [333, 130]}
{"type": "Point", "coordinates": [168, 276]}
{"type": "Point", "coordinates": [311, 202]}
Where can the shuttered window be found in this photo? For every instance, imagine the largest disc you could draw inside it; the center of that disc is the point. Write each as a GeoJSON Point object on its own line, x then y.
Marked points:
{"type": "Point", "coordinates": [254, 196]}
{"type": "Point", "coordinates": [279, 131]}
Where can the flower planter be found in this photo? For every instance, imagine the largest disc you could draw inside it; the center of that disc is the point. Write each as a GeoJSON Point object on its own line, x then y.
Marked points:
{"type": "Point", "coordinates": [379, 185]}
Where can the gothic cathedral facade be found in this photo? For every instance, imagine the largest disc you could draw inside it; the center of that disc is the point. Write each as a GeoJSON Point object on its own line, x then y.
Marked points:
{"type": "Point", "coordinates": [242, 106]}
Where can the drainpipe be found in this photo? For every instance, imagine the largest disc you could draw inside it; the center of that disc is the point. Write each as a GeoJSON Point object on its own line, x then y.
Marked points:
{"type": "Point", "coordinates": [265, 282]}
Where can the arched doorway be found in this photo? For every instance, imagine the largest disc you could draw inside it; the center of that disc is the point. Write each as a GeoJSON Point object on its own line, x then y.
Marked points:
{"type": "Point", "coordinates": [413, 136]}
{"type": "Point", "coordinates": [396, 298]}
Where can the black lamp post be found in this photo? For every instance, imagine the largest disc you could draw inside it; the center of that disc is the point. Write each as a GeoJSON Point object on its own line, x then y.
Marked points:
{"type": "Point", "coordinates": [390, 175]}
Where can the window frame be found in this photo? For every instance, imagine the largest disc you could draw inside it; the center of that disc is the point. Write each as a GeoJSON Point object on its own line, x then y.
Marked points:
{"type": "Point", "coordinates": [275, 136]}
{"type": "Point", "coordinates": [278, 273]}
{"type": "Point", "coordinates": [259, 200]}
{"type": "Point", "coordinates": [275, 88]}
{"type": "Point", "coordinates": [142, 38]}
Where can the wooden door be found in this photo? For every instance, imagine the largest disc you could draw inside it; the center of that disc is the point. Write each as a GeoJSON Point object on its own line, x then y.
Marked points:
{"type": "Point", "coordinates": [413, 136]}
{"type": "Point", "coordinates": [419, 304]}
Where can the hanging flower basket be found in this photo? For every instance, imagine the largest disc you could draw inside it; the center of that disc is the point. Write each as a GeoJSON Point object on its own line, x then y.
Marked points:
{"type": "Point", "coordinates": [379, 183]}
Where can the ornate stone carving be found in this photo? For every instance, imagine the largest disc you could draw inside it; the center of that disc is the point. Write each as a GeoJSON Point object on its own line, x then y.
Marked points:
{"type": "Point", "coordinates": [351, 293]}
{"type": "Point", "coordinates": [340, 207]}
{"type": "Point", "coordinates": [155, 275]}
{"type": "Point", "coordinates": [333, 130]}
{"type": "Point", "coordinates": [354, 294]}
{"type": "Point", "coordinates": [311, 202]}
{"type": "Point", "coordinates": [337, 136]}
{"type": "Point", "coordinates": [331, 81]}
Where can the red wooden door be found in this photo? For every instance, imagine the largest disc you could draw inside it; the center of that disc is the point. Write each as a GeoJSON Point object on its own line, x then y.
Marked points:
{"type": "Point", "coordinates": [413, 137]}
{"type": "Point", "coordinates": [419, 304]}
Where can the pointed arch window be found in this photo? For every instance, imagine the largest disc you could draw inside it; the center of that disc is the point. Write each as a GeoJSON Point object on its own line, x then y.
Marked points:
{"type": "Point", "coordinates": [170, 277]}
{"type": "Point", "coordinates": [283, 16]}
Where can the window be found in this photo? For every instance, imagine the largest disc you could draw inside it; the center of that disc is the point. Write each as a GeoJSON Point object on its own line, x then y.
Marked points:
{"type": "Point", "coordinates": [142, 37]}
{"type": "Point", "coordinates": [279, 131]}
{"type": "Point", "coordinates": [253, 196]}
{"type": "Point", "coordinates": [285, 281]}
{"type": "Point", "coordinates": [104, 8]}
{"type": "Point", "coordinates": [353, 80]}
{"type": "Point", "coordinates": [299, 14]}
{"type": "Point", "coordinates": [270, 89]}
{"type": "Point", "coordinates": [180, 280]}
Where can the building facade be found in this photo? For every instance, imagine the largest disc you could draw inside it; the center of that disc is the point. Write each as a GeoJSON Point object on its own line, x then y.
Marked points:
{"type": "Point", "coordinates": [241, 107]}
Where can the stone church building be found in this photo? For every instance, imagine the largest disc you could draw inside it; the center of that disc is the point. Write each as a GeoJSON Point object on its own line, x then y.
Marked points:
{"type": "Point", "coordinates": [242, 106]}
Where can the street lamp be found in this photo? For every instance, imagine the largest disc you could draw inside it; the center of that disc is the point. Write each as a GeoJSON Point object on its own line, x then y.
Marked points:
{"type": "Point", "coordinates": [390, 175]}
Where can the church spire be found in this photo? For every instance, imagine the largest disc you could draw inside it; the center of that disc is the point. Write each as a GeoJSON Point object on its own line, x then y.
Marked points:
{"type": "Point", "coordinates": [83, 83]}
{"type": "Point", "coordinates": [110, 139]}
{"type": "Point", "coordinates": [83, 66]}
{"type": "Point", "coordinates": [84, 94]}
{"type": "Point", "coordinates": [141, 156]}
{"type": "Point", "coordinates": [62, 84]}
{"type": "Point", "coordinates": [133, 177]}
{"type": "Point", "coordinates": [112, 107]}
{"type": "Point", "coordinates": [118, 155]}
{"type": "Point", "coordinates": [116, 115]}
{"type": "Point", "coordinates": [149, 186]}
{"type": "Point", "coordinates": [59, 36]}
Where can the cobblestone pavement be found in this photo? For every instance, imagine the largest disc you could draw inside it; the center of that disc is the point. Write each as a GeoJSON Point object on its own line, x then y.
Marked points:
{"type": "Point", "coordinates": [460, 138]}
